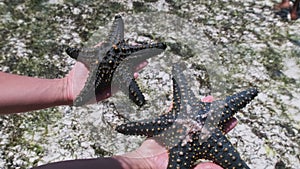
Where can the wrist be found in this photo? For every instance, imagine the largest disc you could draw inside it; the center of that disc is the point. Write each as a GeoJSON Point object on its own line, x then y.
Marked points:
{"type": "Point", "coordinates": [67, 90]}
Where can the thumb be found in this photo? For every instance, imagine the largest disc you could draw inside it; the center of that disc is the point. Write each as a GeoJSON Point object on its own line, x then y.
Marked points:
{"type": "Point", "coordinates": [207, 165]}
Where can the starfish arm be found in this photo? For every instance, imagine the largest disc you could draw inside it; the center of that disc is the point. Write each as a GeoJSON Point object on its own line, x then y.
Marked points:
{"type": "Point", "coordinates": [155, 126]}
{"type": "Point", "coordinates": [135, 93]}
{"type": "Point", "coordinates": [189, 103]}
{"type": "Point", "coordinates": [234, 103]}
{"type": "Point", "coordinates": [176, 96]}
{"type": "Point", "coordinates": [116, 33]}
{"type": "Point", "coordinates": [73, 52]}
{"type": "Point", "coordinates": [137, 54]}
{"type": "Point", "coordinates": [182, 81]}
{"type": "Point", "coordinates": [148, 127]}
{"type": "Point", "coordinates": [85, 55]}
{"type": "Point", "coordinates": [220, 150]}
{"type": "Point", "coordinates": [128, 58]}
{"type": "Point", "coordinates": [182, 157]}
{"type": "Point", "coordinates": [124, 81]}
{"type": "Point", "coordinates": [219, 112]}
{"type": "Point", "coordinates": [88, 56]}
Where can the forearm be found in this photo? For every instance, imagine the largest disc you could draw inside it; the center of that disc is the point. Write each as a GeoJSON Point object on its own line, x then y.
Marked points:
{"type": "Point", "coordinates": [97, 163]}
{"type": "Point", "coordinates": [117, 162]}
{"type": "Point", "coordinates": [151, 155]}
{"type": "Point", "coordinates": [22, 93]}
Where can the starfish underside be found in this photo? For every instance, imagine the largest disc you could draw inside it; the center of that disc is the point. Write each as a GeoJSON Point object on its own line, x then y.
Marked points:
{"type": "Point", "coordinates": [193, 129]}
{"type": "Point", "coordinates": [113, 61]}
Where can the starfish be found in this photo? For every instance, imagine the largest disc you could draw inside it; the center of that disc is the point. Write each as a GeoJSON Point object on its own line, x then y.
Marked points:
{"type": "Point", "coordinates": [112, 63]}
{"type": "Point", "coordinates": [194, 130]}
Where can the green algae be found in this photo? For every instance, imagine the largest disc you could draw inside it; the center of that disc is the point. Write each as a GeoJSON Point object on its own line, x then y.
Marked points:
{"type": "Point", "coordinates": [21, 130]}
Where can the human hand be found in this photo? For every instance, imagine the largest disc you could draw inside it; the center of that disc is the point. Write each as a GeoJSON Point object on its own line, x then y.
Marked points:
{"type": "Point", "coordinates": [76, 78]}
{"type": "Point", "coordinates": [153, 155]}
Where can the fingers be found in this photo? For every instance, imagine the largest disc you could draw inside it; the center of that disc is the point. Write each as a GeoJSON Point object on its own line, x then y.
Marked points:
{"type": "Point", "coordinates": [207, 165]}
{"type": "Point", "coordinates": [150, 153]}
{"type": "Point", "coordinates": [208, 98]}
{"type": "Point", "coordinates": [98, 45]}
{"type": "Point", "coordinates": [135, 75]}
{"type": "Point", "coordinates": [152, 148]}
{"type": "Point", "coordinates": [141, 66]}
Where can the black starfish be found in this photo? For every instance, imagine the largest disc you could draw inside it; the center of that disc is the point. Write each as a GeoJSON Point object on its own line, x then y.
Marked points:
{"type": "Point", "coordinates": [194, 130]}
{"type": "Point", "coordinates": [113, 61]}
